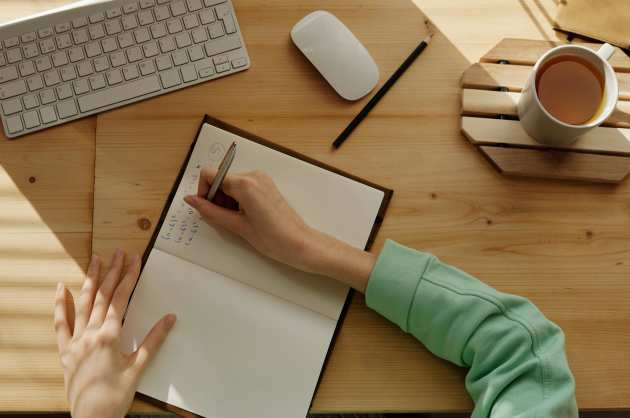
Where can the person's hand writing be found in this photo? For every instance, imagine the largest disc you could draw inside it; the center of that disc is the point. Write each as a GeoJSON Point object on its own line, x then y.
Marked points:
{"type": "Point", "coordinates": [100, 380]}
{"type": "Point", "coordinates": [270, 225]}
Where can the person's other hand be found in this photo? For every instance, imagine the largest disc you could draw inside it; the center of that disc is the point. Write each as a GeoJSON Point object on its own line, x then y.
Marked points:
{"type": "Point", "coordinates": [100, 380]}
{"type": "Point", "coordinates": [271, 226]}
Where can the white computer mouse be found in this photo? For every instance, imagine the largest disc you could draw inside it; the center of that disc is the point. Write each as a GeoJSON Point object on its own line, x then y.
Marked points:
{"type": "Point", "coordinates": [336, 53]}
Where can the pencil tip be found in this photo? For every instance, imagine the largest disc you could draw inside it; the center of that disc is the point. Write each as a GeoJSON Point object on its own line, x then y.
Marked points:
{"type": "Point", "coordinates": [428, 38]}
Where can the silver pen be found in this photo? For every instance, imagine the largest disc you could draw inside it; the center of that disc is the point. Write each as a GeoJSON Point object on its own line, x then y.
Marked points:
{"type": "Point", "coordinates": [222, 172]}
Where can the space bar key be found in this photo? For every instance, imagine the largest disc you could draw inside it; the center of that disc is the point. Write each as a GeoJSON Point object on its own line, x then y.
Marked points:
{"type": "Point", "coordinates": [118, 94]}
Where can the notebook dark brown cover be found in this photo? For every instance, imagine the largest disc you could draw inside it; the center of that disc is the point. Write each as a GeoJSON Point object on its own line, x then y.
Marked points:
{"type": "Point", "coordinates": [388, 193]}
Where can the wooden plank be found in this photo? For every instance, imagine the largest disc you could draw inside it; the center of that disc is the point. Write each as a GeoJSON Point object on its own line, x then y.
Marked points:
{"type": "Point", "coordinates": [490, 76]}
{"type": "Point", "coordinates": [528, 51]}
{"type": "Point", "coordinates": [558, 165]}
{"type": "Point", "coordinates": [486, 131]}
{"type": "Point", "coordinates": [495, 103]}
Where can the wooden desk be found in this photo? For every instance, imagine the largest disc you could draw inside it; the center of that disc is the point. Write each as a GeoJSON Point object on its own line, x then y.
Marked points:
{"type": "Point", "coordinates": [564, 245]}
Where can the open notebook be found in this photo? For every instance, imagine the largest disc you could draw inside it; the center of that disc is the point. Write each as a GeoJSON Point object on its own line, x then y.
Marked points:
{"type": "Point", "coordinates": [252, 334]}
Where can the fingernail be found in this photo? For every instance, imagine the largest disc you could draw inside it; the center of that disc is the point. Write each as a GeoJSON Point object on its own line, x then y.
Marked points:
{"type": "Point", "coordinates": [59, 286]}
{"type": "Point", "coordinates": [119, 252]}
{"type": "Point", "coordinates": [190, 200]}
{"type": "Point", "coordinates": [135, 259]}
{"type": "Point", "coordinates": [170, 320]}
{"type": "Point", "coordinates": [94, 259]}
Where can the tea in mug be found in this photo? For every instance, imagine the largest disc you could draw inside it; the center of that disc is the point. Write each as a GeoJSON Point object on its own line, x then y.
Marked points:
{"type": "Point", "coordinates": [570, 88]}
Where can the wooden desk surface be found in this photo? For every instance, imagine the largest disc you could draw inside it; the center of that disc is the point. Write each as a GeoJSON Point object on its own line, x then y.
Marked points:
{"type": "Point", "coordinates": [564, 245]}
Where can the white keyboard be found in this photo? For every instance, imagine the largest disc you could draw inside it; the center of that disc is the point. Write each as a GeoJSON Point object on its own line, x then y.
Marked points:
{"type": "Point", "coordinates": [98, 55]}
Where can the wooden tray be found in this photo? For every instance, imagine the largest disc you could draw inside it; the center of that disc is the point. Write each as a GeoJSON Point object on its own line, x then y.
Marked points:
{"type": "Point", "coordinates": [491, 89]}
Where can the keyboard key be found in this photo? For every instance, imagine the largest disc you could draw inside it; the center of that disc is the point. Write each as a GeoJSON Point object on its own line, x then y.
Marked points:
{"type": "Point", "coordinates": [174, 26]}
{"type": "Point", "coordinates": [146, 3]}
{"type": "Point", "coordinates": [131, 72]}
{"type": "Point", "coordinates": [3, 60]}
{"type": "Point", "coordinates": [80, 36]}
{"type": "Point", "coordinates": [167, 44]}
{"type": "Point", "coordinates": [30, 51]}
{"type": "Point", "coordinates": [145, 17]}
{"type": "Point", "coordinates": [118, 59]}
{"type": "Point", "coordinates": [101, 64]}
{"type": "Point", "coordinates": [26, 68]}
{"type": "Point", "coordinates": [119, 94]}
{"type": "Point", "coordinates": [190, 21]}
{"type": "Point", "coordinates": [228, 22]}
{"type": "Point", "coordinates": [189, 73]}
{"type": "Point", "coordinates": [162, 13]}
{"type": "Point", "coordinates": [60, 58]}
{"type": "Point", "coordinates": [134, 54]}
{"type": "Point", "coordinates": [29, 37]}
{"type": "Point", "coordinates": [97, 31]}
{"type": "Point", "coordinates": [196, 53]}
{"type": "Point", "coordinates": [199, 35]}
{"type": "Point", "coordinates": [113, 12]}
{"type": "Point", "coordinates": [76, 54]}
{"type": "Point", "coordinates": [219, 59]}
{"type": "Point", "coordinates": [194, 5]}
{"type": "Point", "coordinates": [163, 63]}
{"type": "Point", "coordinates": [45, 32]}
{"type": "Point", "coordinates": [147, 67]}
{"type": "Point", "coordinates": [142, 35]}
{"type": "Point", "coordinates": [223, 67]}
{"type": "Point", "coordinates": [43, 64]}
{"type": "Point", "coordinates": [222, 10]}
{"type": "Point", "coordinates": [109, 45]}
{"type": "Point", "coordinates": [14, 55]}
{"type": "Point", "coordinates": [130, 8]}
{"type": "Point", "coordinates": [12, 89]}
{"type": "Point", "coordinates": [67, 109]}
{"type": "Point", "coordinates": [8, 74]}
{"type": "Point", "coordinates": [239, 62]}
{"type": "Point", "coordinates": [178, 8]}
{"type": "Point", "coordinates": [64, 91]}
{"type": "Point", "coordinates": [47, 46]}
{"type": "Point", "coordinates": [48, 114]}
{"type": "Point", "coordinates": [209, 3]}
{"type": "Point", "coordinates": [183, 39]}
{"type": "Point", "coordinates": [62, 27]}
{"type": "Point", "coordinates": [129, 22]}
{"type": "Point", "coordinates": [113, 27]}
{"type": "Point", "coordinates": [79, 22]}
{"type": "Point", "coordinates": [51, 78]}
{"type": "Point", "coordinates": [81, 86]}
{"type": "Point", "coordinates": [11, 42]}
{"type": "Point", "coordinates": [14, 124]}
{"type": "Point", "coordinates": [30, 101]}
{"type": "Point", "coordinates": [170, 78]}
{"type": "Point", "coordinates": [180, 57]}
{"type": "Point", "coordinates": [93, 49]}
{"type": "Point", "coordinates": [84, 68]}
{"type": "Point", "coordinates": [222, 45]}
{"type": "Point", "coordinates": [97, 81]}
{"type": "Point", "coordinates": [63, 41]}
{"type": "Point", "coordinates": [215, 29]}
{"type": "Point", "coordinates": [35, 83]}
{"type": "Point", "coordinates": [206, 72]}
{"type": "Point", "coordinates": [158, 30]}
{"type": "Point", "coordinates": [31, 119]}
{"type": "Point", "coordinates": [125, 40]}
{"type": "Point", "coordinates": [114, 77]}
{"type": "Point", "coordinates": [150, 49]}
{"type": "Point", "coordinates": [206, 16]}
{"type": "Point", "coordinates": [68, 73]}
{"type": "Point", "coordinates": [97, 17]}
{"type": "Point", "coordinates": [11, 106]}
{"type": "Point", "coordinates": [47, 96]}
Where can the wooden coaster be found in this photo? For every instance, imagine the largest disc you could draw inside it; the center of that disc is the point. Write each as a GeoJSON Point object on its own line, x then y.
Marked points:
{"type": "Point", "coordinates": [491, 90]}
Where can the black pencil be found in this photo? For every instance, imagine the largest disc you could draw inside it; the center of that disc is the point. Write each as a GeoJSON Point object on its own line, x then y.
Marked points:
{"type": "Point", "coordinates": [381, 92]}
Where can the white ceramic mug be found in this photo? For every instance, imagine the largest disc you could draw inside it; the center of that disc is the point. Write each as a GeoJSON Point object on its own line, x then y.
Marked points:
{"type": "Point", "coordinates": [547, 129]}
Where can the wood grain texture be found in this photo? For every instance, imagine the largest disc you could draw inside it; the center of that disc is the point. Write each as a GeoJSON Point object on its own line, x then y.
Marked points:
{"type": "Point", "coordinates": [563, 245]}
{"type": "Point", "coordinates": [553, 164]}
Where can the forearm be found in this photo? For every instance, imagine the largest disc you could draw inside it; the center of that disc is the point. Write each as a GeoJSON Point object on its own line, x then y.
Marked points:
{"type": "Point", "coordinates": [332, 258]}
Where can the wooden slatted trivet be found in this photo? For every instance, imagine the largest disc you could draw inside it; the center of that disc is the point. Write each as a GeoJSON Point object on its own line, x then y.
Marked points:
{"type": "Point", "coordinates": [491, 89]}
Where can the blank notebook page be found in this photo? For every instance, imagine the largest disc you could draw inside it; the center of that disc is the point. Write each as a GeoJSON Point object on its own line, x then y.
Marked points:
{"type": "Point", "coordinates": [252, 334]}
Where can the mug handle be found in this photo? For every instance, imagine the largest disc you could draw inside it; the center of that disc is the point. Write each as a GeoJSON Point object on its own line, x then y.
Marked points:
{"type": "Point", "coordinates": [605, 51]}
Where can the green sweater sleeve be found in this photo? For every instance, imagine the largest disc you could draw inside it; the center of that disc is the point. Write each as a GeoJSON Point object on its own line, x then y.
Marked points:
{"type": "Point", "coordinates": [516, 359]}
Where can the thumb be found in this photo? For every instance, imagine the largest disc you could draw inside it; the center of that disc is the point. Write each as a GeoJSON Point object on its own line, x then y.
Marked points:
{"type": "Point", "coordinates": [216, 215]}
{"type": "Point", "coordinates": [152, 342]}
